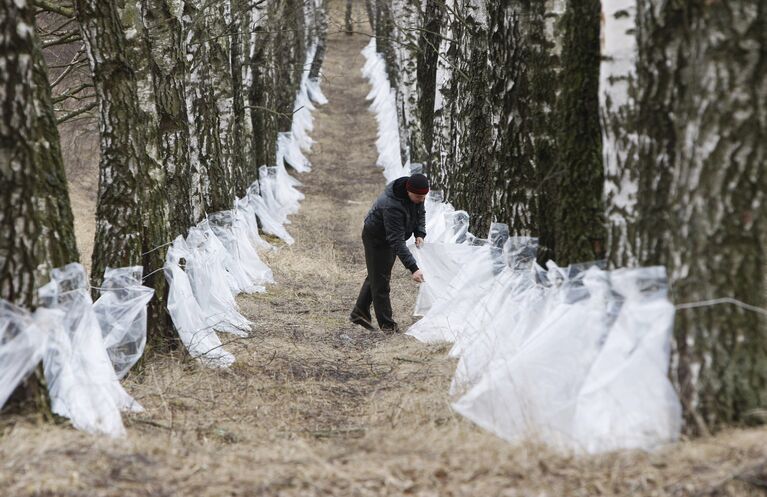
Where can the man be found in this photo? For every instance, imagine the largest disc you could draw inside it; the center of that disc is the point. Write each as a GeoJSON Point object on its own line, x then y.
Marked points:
{"type": "Point", "coordinates": [395, 215]}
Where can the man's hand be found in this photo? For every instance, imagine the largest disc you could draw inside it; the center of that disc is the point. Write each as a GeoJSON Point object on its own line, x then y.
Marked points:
{"type": "Point", "coordinates": [418, 242]}
{"type": "Point", "coordinates": [418, 276]}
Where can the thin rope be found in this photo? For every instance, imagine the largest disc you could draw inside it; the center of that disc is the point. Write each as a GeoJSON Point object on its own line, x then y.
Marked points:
{"type": "Point", "coordinates": [157, 248]}
{"type": "Point", "coordinates": [153, 272]}
{"type": "Point", "coordinates": [723, 300]}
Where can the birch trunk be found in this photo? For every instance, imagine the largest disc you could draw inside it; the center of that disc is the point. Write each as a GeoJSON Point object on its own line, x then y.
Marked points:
{"type": "Point", "coordinates": [36, 217]}
{"type": "Point", "coordinates": [131, 215]}
{"type": "Point", "coordinates": [241, 154]}
{"type": "Point", "coordinates": [618, 115]}
{"type": "Point", "coordinates": [204, 150]}
{"type": "Point", "coordinates": [161, 22]}
{"type": "Point", "coordinates": [408, 28]}
{"type": "Point", "coordinates": [579, 221]}
{"type": "Point", "coordinates": [35, 214]}
{"type": "Point", "coordinates": [703, 108]}
{"type": "Point", "coordinates": [442, 148]}
{"type": "Point", "coordinates": [221, 173]}
{"type": "Point", "coordinates": [470, 172]}
{"type": "Point", "coordinates": [426, 74]}
{"type": "Point", "coordinates": [123, 162]}
{"type": "Point", "coordinates": [261, 75]}
{"type": "Point", "coordinates": [321, 22]}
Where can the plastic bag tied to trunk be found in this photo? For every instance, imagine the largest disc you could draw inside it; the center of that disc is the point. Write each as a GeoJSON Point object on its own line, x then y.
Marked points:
{"type": "Point", "coordinates": [82, 382]}
{"type": "Point", "coordinates": [122, 315]}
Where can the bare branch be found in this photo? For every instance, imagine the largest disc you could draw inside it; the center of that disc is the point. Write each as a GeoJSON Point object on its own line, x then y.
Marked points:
{"type": "Point", "coordinates": [63, 40]}
{"type": "Point", "coordinates": [49, 6]}
{"type": "Point", "coordinates": [72, 64]}
{"type": "Point", "coordinates": [76, 113]}
{"type": "Point", "coordinates": [71, 92]}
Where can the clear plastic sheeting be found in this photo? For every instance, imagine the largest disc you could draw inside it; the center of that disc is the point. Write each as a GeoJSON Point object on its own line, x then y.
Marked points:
{"type": "Point", "coordinates": [439, 262]}
{"type": "Point", "coordinates": [449, 309]}
{"type": "Point", "coordinates": [241, 260]}
{"type": "Point", "coordinates": [532, 393]}
{"type": "Point", "coordinates": [188, 317]}
{"type": "Point", "coordinates": [269, 223]}
{"type": "Point", "coordinates": [255, 269]}
{"type": "Point", "coordinates": [247, 217]}
{"type": "Point", "coordinates": [212, 284]}
{"type": "Point", "coordinates": [384, 106]}
{"type": "Point", "coordinates": [590, 375]}
{"type": "Point", "coordinates": [279, 193]}
{"type": "Point", "coordinates": [627, 400]}
{"type": "Point", "coordinates": [23, 342]}
{"type": "Point", "coordinates": [289, 151]}
{"type": "Point", "coordinates": [122, 315]}
{"type": "Point", "coordinates": [81, 381]}
{"type": "Point", "coordinates": [314, 92]}
{"type": "Point", "coordinates": [512, 298]}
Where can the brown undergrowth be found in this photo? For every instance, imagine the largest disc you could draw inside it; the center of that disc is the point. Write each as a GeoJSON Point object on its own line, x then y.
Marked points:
{"type": "Point", "coordinates": [314, 406]}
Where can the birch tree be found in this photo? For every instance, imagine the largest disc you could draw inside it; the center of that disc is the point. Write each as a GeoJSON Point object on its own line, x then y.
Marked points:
{"type": "Point", "coordinates": [131, 222]}
{"type": "Point", "coordinates": [217, 17]}
{"type": "Point", "coordinates": [204, 150]}
{"type": "Point", "coordinates": [35, 214]}
{"type": "Point", "coordinates": [261, 76]}
{"type": "Point", "coordinates": [696, 99]}
{"type": "Point", "coordinates": [426, 74]}
{"type": "Point", "coordinates": [578, 220]}
{"type": "Point", "coordinates": [162, 29]}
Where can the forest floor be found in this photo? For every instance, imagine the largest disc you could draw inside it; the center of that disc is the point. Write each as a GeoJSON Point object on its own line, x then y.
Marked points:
{"type": "Point", "coordinates": [317, 407]}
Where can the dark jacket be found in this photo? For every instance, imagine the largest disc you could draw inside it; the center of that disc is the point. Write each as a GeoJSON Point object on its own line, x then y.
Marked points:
{"type": "Point", "coordinates": [393, 218]}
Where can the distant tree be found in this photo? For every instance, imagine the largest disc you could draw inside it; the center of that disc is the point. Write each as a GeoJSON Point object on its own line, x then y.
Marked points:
{"type": "Point", "coordinates": [261, 77]}
{"type": "Point", "coordinates": [348, 26]}
{"type": "Point", "coordinates": [35, 214]}
{"type": "Point", "coordinates": [321, 23]}
{"type": "Point", "coordinates": [429, 40]}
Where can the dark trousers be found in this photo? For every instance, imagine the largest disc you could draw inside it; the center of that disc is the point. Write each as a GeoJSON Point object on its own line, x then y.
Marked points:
{"type": "Point", "coordinates": [379, 259]}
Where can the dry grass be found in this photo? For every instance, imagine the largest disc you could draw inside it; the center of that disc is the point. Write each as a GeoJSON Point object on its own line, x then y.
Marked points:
{"type": "Point", "coordinates": [314, 406]}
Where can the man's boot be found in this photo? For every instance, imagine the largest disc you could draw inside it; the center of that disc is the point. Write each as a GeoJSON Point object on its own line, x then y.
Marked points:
{"type": "Point", "coordinates": [358, 319]}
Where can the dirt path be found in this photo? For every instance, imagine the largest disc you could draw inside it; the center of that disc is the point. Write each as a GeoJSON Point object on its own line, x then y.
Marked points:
{"type": "Point", "coordinates": [317, 407]}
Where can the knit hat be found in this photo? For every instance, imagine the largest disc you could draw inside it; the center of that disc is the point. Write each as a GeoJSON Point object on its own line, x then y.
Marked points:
{"type": "Point", "coordinates": [418, 184]}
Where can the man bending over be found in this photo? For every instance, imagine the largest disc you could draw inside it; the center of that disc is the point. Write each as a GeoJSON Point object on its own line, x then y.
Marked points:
{"type": "Point", "coordinates": [396, 214]}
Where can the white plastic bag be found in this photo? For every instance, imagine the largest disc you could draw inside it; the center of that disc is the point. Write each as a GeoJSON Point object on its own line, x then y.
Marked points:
{"type": "Point", "coordinates": [82, 383]}
{"type": "Point", "coordinates": [198, 337]}
{"type": "Point", "coordinates": [210, 283]}
{"type": "Point", "coordinates": [439, 263]}
{"type": "Point", "coordinates": [533, 393]}
{"type": "Point", "coordinates": [445, 319]}
{"type": "Point", "coordinates": [246, 215]}
{"type": "Point", "coordinates": [269, 222]}
{"type": "Point", "coordinates": [23, 342]}
{"type": "Point", "coordinates": [122, 313]}
{"type": "Point", "coordinates": [247, 269]}
{"type": "Point", "coordinates": [627, 400]}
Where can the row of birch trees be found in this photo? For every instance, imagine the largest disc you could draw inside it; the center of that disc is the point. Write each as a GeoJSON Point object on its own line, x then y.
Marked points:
{"type": "Point", "coordinates": [631, 130]}
{"type": "Point", "coordinates": [189, 96]}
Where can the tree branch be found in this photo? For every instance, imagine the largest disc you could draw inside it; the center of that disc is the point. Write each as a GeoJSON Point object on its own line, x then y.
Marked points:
{"type": "Point", "coordinates": [49, 6]}
{"type": "Point", "coordinates": [76, 113]}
